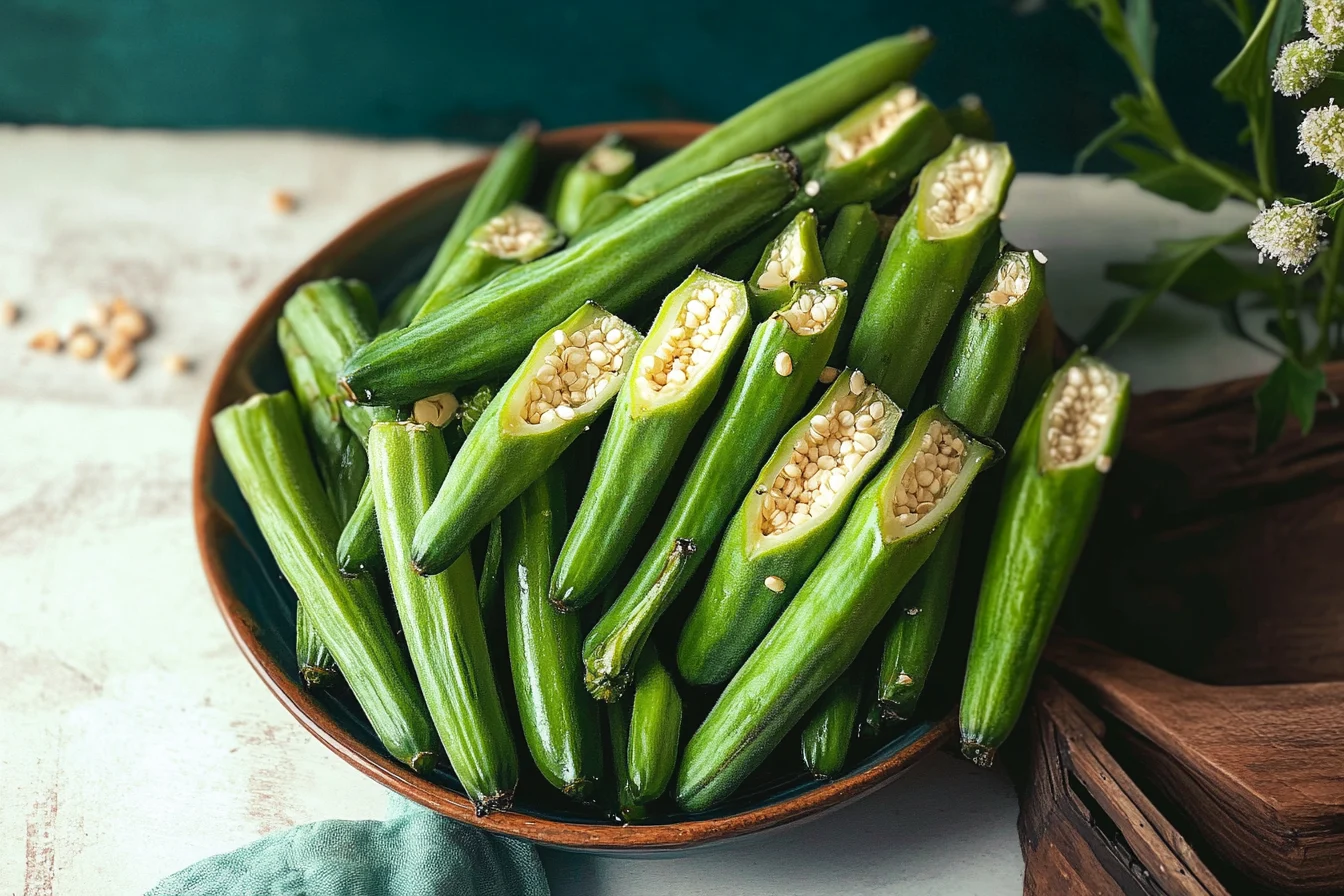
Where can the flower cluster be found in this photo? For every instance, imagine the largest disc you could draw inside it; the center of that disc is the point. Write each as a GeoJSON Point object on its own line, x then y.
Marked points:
{"type": "Point", "coordinates": [1325, 19]}
{"type": "Point", "coordinates": [1289, 234]}
{"type": "Point", "coordinates": [1302, 66]}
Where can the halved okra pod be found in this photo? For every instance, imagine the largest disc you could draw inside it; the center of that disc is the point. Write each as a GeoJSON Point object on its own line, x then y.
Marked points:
{"type": "Point", "coordinates": [489, 331]}
{"type": "Point", "coordinates": [607, 165]}
{"type": "Point", "coordinates": [1054, 479]}
{"type": "Point", "coordinates": [441, 619]}
{"type": "Point", "coordinates": [678, 369]}
{"type": "Point", "coordinates": [262, 443]}
{"type": "Point", "coordinates": [655, 729]}
{"type": "Point", "coordinates": [973, 390]}
{"type": "Point", "coordinates": [831, 726]}
{"type": "Point", "coordinates": [515, 236]}
{"type": "Point", "coordinates": [851, 253]}
{"type": "Point", "coordinates": [505, 181]}
{"type": "Point", "coordinates": [573, 372]}
{"type": "Point", "coordinates": [791, 258]}
{"type": "Point", "coordinates": [929, 262]}
{"type": "Point", "coordinates": [560, 721]}
{"type": "Point", "coordinates": [886, 538]}
{"type": "Point", "coordinates": [782, 363]}
{"type": "Point", "coordinates": [785, 524]}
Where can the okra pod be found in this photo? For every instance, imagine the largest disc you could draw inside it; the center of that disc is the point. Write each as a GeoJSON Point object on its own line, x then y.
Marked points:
{"type": "Point", "coordinates": [1055, 474]}
{"type": "Point", "coordinates": [851, 253]}
{"type": "Point", "coordinates": [441, 619]}
{"type": "Point", "coordinates": [317, 667]}
{"type": "Point", "coordinates": [888, 535]}
{"type": "Point", "coordinates": [677, 371]}
{"type": "Point", "coordinates": [782, 363]}
{"type": "Point", "coordinates": [560, 722]}
{"type": "Point", "coordinates": [929, 262]}
{"type": "Point", "coordinates": [488, 331]}
{"type": "Point", "coordinates": [785, 524]}
{"type": "Point", "coordinates": [606, 166]}
{"type": "Point", "coordinates": [263, 445]}
{"type": "Point", "coordinates": [626, 809]}
{"type": "Point", "coordinates": [505, 181]}
{"type": "Point", "coordinates": [360, 549]}
{"type": "Point", "coordinates": [775, 119]}
{"type": "Point", "coordinates": [789, 259]}
{"type": "Point", "coordinates": [573, 372]}
{"type": "Point", "coordinates": [655, 729]}
{"type": "Point", "coordinates": [831, 727]}
{"type": "Point", "coordinates": [515, 236]}
{"type": "Point", "coordinates": [491, 565]}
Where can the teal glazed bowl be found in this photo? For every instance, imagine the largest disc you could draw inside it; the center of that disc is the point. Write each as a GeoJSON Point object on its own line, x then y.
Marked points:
{"type": "Point", "coordinates": [387, 248]}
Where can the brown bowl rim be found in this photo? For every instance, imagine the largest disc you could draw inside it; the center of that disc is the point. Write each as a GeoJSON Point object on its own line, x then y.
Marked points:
{"type": "Point", "coordinates": [383, 769]}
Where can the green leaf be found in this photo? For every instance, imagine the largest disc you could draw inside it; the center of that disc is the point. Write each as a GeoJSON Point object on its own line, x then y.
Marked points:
{"type": "Point", "coordinates": [1111, 18]}
{"type": "Point", "coordinates": [1142, 31]}
{"type": "Point", "coordinates": [1287, 23]}
{"type": "Point", "coordinates": [1290, 387]}
{"type": "Point", "coordinates": [1246, 78]}
{"type": "Point", "coordinates": [1170, 179]}
{"type": "Point", "coordinates": [1212, 279]}
{"type": "Point", "coordinates": [1148, 119]}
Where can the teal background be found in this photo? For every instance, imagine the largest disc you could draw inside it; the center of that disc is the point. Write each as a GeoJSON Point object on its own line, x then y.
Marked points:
{"type": "Point", "coordinates": [445, 68]}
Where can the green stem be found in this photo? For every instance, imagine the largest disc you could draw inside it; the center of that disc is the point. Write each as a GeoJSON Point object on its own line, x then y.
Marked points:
{"type": "Point", "coordinates": [1325, 305]}
{"type": "Point", "coordinates": [1232, 184]}
{"type": "Point", "coordinates": [1262, 147]}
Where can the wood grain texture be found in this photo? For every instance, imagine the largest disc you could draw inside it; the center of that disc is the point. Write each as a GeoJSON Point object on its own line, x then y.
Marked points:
{"type": "Point", "coordinates": [1259, 770]}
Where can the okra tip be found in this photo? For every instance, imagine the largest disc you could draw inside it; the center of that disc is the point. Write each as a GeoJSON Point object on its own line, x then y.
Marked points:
{"type": "Point", "coordinates": [317, 676]}
{"type": "Point", "coordinates": [789, 160]}
{"type": "Point", "coordinates": [582, 790]}
{"type": "Point", "coordinates": [422, 763]}
{"type": "Point", "coordinates": [494, 802]}
{"type": "Point", "coordinates": [978, 753]}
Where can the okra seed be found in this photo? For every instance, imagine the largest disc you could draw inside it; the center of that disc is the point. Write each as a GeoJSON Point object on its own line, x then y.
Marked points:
{"type": "Point", "coordinates": [802, 316]}
{"type": "Point", "coordinates": [437, 409]}
{"type": "Point", "coordinates": [835, 282]}
{"type": "Point", "coordinates": [926, 479]}
{"type": "Point", "coordinates": [959, 187]}
{"type": "Point", "coordinates": [783, 364]}
{"type": "Point", "coordinates": [775, 584]}
{"type": "Point", "coordinates": [856, 382]}
{"type": "Point", "coordinates": [515, 232]}
{"type": "Point", "coordinates": [812, 188]}
{"type": "Point", "coordinates": [828, 375]}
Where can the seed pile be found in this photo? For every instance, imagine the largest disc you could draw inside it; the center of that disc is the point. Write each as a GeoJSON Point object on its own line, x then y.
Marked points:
{"type": "Point", "coordinates": [1012, 283]}
{"type": "Point", "coordinates": [111, 329]}
{"type": "Point", "coordinates": [578, 367]}
{"type": "Point", "coordinates": [515, 232]}
{"type": "Point", "coordinates": [812, 310]}
{"type": "Point", "coordinates": [889, 116]}
{"type": "Point", "coordinates": [1080, 414]}
{"type": "Point", "coordinates": [928, 477]}
{"type": "Point", "coordinates": [691, 343]}
{"type": "Point", "coordinates": [958, 192]}
{"type": "Point", "coordinates": [823, 459]}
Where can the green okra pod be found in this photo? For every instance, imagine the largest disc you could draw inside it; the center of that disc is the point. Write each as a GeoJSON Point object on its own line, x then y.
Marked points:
{"type": "Point", "coordinates": [573, 372]}
{"type": "Point", "coordinates": [655, 729]}
{"type": "Point", "coordinates": [775, 119]}
{"type": "Point", "coordinates": [491, 565]}
{"type": "Point", "coordinates": [851, 253]}
{"type": "Point", "coordinates": [789, 259]}
{"type": "Point", "coordinates": [677, 370]}
{"type": "Point", "coordinates": [360, 548]}
{"type": "Point", "coordinates": [973, 390]}
{"type": "Point", "coordinates": [317, 667]}
{"type": "Point", "coordinates": [1055, 474]}
{"type": "Point", "coordinates": [441, 619]}
{"type": "Point", "coordinates": [626, 808]}
{"type": "Point", "coordinates": [831, 726]}
{"type": "Point", "coordinates": [263, 445]}
{"type": "Point", "coordinates": [505, 181]}
{"type": "Point", "coordinates": [488, 331]}
{"type": "Point", "coordinates": [782, 363]}
{"type": "Point", "coordinates": [785, 524]}
{"type": "Point", "coordinates": [929, 262]}
{"type": "Point", "coordinates": [606, 166]}
{"type": "Point", "coordinates": [559, 720]}
{"type": "Point", "coordinates": [886, 538]}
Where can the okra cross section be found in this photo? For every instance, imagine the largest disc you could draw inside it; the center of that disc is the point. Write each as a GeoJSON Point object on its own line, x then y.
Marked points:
{"type": "Point", "coordinates": [791, 258]}
{"type": "Point", "coordinates": [677, 372]}
{"type": "Point", "coordinates": [785, 524]}
{"type": "Point", "coordinates": [881, 545]}
{"type": "Point", "coordinates": [572, 374]}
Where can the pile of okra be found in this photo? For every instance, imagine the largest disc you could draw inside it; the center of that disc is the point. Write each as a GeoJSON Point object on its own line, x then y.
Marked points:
{"type": "Point", "coordinates": [757, 379]}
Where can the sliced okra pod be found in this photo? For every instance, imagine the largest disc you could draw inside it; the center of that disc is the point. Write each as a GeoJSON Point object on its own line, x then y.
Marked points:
{"type": "Point", "coordinates": [655, 729]}
{"type": "Point", "coordinates": [789, 259]}
{"type": "Point", "coordinates": [973, 390]}
{"type": "Point", "coordinates": [441, 619]}
{"type": "Point", "coordinates": [785, 524]}
{"type": "Point", "coordinates": [559, 720]}
{"type": "Point", "coordinates": [263, 445]}
{"type": "Point", "coordinates": [677, 370]}
{"type": "Point", "coordinates": [775, 119]}
{"type": "Point", "coordinates": [831, 726]}
{"type": "Point", "coordinates": [851, 253]}
{"type": "Point", "coordinates": [607, 165]}
{"type": "Point", "coordinates": [1055, 474]}
{"type": "Point", "coordinates": [505, 181]}
{"type": "Point", "coordinates": [886, 538]}
{"type": "Point", "coordinates": [490, 330]}
{"type": "Point", "coordinates": [929, 263]}
{"type": "Point", "coordinates": [782, 363]}
{"type": "Point", "coordinates": [573, 372]}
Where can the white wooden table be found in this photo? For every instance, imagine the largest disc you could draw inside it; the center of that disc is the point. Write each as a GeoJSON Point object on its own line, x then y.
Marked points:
{"type": "Point", "coordinates": [133, 737]}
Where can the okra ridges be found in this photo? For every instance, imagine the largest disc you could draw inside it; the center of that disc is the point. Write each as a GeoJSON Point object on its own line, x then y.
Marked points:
{"type": "Point", "coordinates": [518, 233]}
{"type": "Point", "coordinates": [812, 309]}
{"type": "Point", "coordinates": [1080, 414]}
{"type": "Point", "coordinates": [1012, 280]}
{"type": "Point", "coordinates": [929, 475]}
{"type": "Point", "coordinates": [823, 460]}
{"type": "Point", "coordinates": [846, 146]}
{"type": "Point", "coordinates": [689, 346]}
{"type": "Point", "coordinates": [964, 187]}
{"type": "Point", "coordinates": [581, 365]}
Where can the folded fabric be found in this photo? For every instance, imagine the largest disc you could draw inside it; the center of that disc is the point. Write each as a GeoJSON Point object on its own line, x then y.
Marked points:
{"type": "Point", "coordinates": [415, 852]}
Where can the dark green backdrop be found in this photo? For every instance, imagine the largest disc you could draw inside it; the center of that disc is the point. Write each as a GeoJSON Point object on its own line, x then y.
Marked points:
{"type": "Point", "coordinates": [448, 68]}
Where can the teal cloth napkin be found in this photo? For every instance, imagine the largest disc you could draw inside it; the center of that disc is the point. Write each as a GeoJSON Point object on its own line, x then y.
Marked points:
{"type": "Point", "coordinates": [415, 852]}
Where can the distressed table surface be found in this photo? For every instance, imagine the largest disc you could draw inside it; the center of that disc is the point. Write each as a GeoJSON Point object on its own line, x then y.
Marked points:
{"type": "Point", "coordinates": [133, 737]}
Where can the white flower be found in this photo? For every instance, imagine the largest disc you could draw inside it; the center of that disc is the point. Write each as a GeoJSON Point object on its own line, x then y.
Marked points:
{"type": "Point", "coordinates": [1321, 137]}
{"type": "Point", "coordinates": [1302, 65]}
{"type": "Point", "coordinates": [1325, 19]}
{"type": "Point", "coordinates": [1289, 234]}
